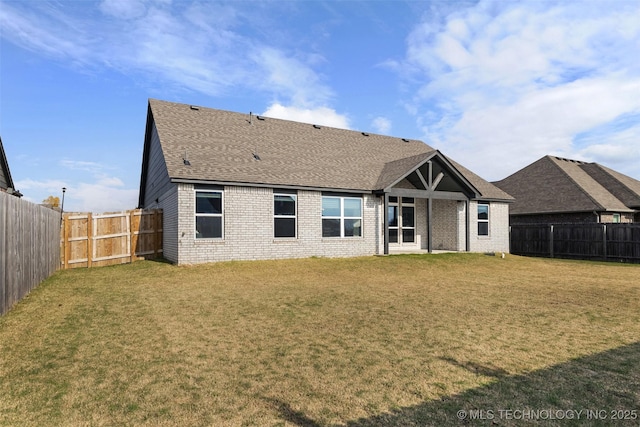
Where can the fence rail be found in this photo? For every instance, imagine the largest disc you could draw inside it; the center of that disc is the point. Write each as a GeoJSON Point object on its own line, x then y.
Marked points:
{"type": "Point", "coordinates": [613, 242]}
{"type": "Point", "coordinates": [92, 240]}
{"type": "Point", "coordinates": [29, 247]}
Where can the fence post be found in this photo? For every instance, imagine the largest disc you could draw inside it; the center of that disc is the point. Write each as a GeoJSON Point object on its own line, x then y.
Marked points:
{"type": "Point", "coordinates": [131, 236]}
{"type": "Point", "coordinates": [551, 241]}
{"type": "Point", "coordinates": [604, 240]}
{"type": "Point", "coordinates": [90, 240]}
{"type": "Point", "coordinates": [67, 244]}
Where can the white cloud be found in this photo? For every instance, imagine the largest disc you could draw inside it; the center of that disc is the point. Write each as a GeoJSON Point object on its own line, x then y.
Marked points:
{"type": "Point", "coordinates": [381, 125]}
{"type": "Point", "coordinates": [320, 115]}
{"type": "Point", "coordinates": [88, 188]}
{"type": "Point", "coordinates": [82, 165]}
{"type": "Point", "coordinates": [123, 9]}
{"type": "Point", "coordinates": [501, 84]}
{"type": "Point", "coordinates": [615, 148]}
{"type": "Point", "coordinates": [51, 185]}
{"type": "Point", "coordinates": [292, 78]}
{"type": "Point", "coordinates": [42, 33]}
{"type": "Point", "coordinates": [104, 194]}
{"type": "Point", "coordinates": [194, 46]}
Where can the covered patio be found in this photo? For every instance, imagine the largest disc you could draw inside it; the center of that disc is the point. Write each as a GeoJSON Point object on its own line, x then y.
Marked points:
{"type": "Point", "coordinates": [426, 208]}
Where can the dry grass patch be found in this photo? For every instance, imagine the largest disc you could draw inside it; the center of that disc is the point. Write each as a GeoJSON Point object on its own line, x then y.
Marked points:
{"type": "Point", "coordinates": [398, 340]}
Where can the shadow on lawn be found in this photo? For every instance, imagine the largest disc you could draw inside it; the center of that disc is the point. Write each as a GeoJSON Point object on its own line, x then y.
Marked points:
{"type": "Point", "coordinates": [605, 384]}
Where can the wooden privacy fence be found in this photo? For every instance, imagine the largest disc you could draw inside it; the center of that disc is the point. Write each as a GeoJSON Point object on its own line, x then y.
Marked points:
{"type": "Point", "coordinates": [29, 247]}
{"type": "Point", "coordinates": [613, 242]}
{"type": "Point", "coordinates": [92, 240]}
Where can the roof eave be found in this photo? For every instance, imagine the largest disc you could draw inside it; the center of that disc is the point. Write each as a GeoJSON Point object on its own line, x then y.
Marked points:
{"type": "Point", "coordinates": [177, 180]}
{"type": "Point", "coordinates": [494, 199]}
{"type": "Point", "coordinates": [443, 158]}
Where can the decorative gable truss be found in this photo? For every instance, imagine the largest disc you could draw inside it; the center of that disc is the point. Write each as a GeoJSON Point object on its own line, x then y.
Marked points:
{"type": "Point", "coordinates": [311, 191]}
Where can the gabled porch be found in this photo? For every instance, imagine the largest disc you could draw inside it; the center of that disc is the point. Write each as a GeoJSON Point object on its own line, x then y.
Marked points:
{"type": "Point", "coordinates": [426, 206]}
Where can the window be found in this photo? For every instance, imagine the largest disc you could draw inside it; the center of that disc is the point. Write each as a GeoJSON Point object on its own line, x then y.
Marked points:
{"type": "Point", "coordinates": [341, 216]}
{"type": "Point", "coordinates": [483, 219]}
{"type": "Point", "coordinates": [284, 215]}
{"type": "Point", "coordinates": [392, 218]}
{"type": "Point", "coordinates": [402, 220]}
{"type": "Point", "coordinates": [616, 217]}
{"type": "Point", "coordinates": [208, 214]}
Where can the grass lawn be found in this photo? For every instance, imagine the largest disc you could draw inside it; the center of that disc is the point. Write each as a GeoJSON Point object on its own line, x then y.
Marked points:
{"type": "Point", "coordinates": [398, 340]}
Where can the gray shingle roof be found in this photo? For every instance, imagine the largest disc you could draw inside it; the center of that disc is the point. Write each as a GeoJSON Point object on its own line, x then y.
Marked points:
{"type": "Point", "coordinates": [623, 187]}
{"type": "Point", "coordinates": [487, 189]}
{"type": "Point", "coordinates": [220, 146]}
{"type": "Point", "coordinates": [556, 185]}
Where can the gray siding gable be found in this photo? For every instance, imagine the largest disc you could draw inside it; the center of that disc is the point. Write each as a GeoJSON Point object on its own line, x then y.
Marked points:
{"type": "Point", "coordinates": [155, 179]}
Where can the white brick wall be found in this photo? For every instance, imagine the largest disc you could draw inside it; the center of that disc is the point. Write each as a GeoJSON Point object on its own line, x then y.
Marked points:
{"type": "Point", "coordinates": [498, 238]}
{"type": "Point", "coordinates": [445, 225]}
{"type": "Point", "coordinates": [461, 209]}
{"type": "Point", "coordinates": [248, 227]}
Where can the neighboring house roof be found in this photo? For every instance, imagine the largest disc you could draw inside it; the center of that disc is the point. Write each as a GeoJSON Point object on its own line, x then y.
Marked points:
{"type": "Point", "coordinates": [487, 189]}
{"type": "Point", "coordinates": [623, 187]}
{"type": "Point", "coordinates": [6, 183]}
{"type": "Point", "coordinates": [220, 146]}
{"type": "Point", "coordinates": [557, 185]}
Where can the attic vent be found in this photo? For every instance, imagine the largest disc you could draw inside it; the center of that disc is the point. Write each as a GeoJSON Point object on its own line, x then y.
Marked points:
{"type": "Point", "coordinates": [185, 159]}
{"type": "Point", "coordinates": [259, 117]}
{"type": "Point", "coordinates": [194, 107]}
{"type": "Point", "coordinates": [317, 126]}
{"type": "Point", "coordinates": [405, 139]}
{"type": "Point", "coordinates": [255, 156]}
{"type": "Point", "coordinates": [365, 134]}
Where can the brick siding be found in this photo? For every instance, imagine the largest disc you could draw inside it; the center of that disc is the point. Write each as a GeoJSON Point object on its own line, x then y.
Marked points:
{"type": "Point", "coordinates": [498, 238]}
{"type": "Point", "coordinates": [248, 227]}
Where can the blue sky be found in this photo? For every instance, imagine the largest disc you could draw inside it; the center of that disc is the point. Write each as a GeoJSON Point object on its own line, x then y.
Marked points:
{"type": "Point", "coordinates": [494, 85]}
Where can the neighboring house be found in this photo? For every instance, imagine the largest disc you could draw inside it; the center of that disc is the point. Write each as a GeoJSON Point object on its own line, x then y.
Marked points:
{"type": "Point", "coordinates": [557, 190]}
{"type": "Point", "coordinates": [238, 186]}
{"type": "Point", "coordinates": [6, 183]}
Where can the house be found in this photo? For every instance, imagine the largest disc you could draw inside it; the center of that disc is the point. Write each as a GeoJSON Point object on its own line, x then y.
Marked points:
{"type": "Point", "coordinates": [558, 190]}
{"type": "Point", "coordinates": [6, 183]}
{"type": "Point", "coordinates": [238, 186]}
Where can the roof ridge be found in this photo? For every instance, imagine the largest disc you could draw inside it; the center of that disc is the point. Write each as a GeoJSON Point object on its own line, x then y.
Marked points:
{"type": "Point", "coordinates": [292, 153]}
{"type": "Point", "coordinates": [608, 172]}
{"type": "Point", "coordinates": [580, 187]}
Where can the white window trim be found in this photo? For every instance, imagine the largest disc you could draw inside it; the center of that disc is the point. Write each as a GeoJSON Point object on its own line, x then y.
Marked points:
{"type": "Point", "coordinates": [196, 214]}
{"type": "Point", "coordinates": [488, 220]}
{"type": "Point", "coordinates": [400, 227]}
{"type": "Point", "coordinates": [342, 217]}
{"type": "Point", "coordinates": [294, 216]}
